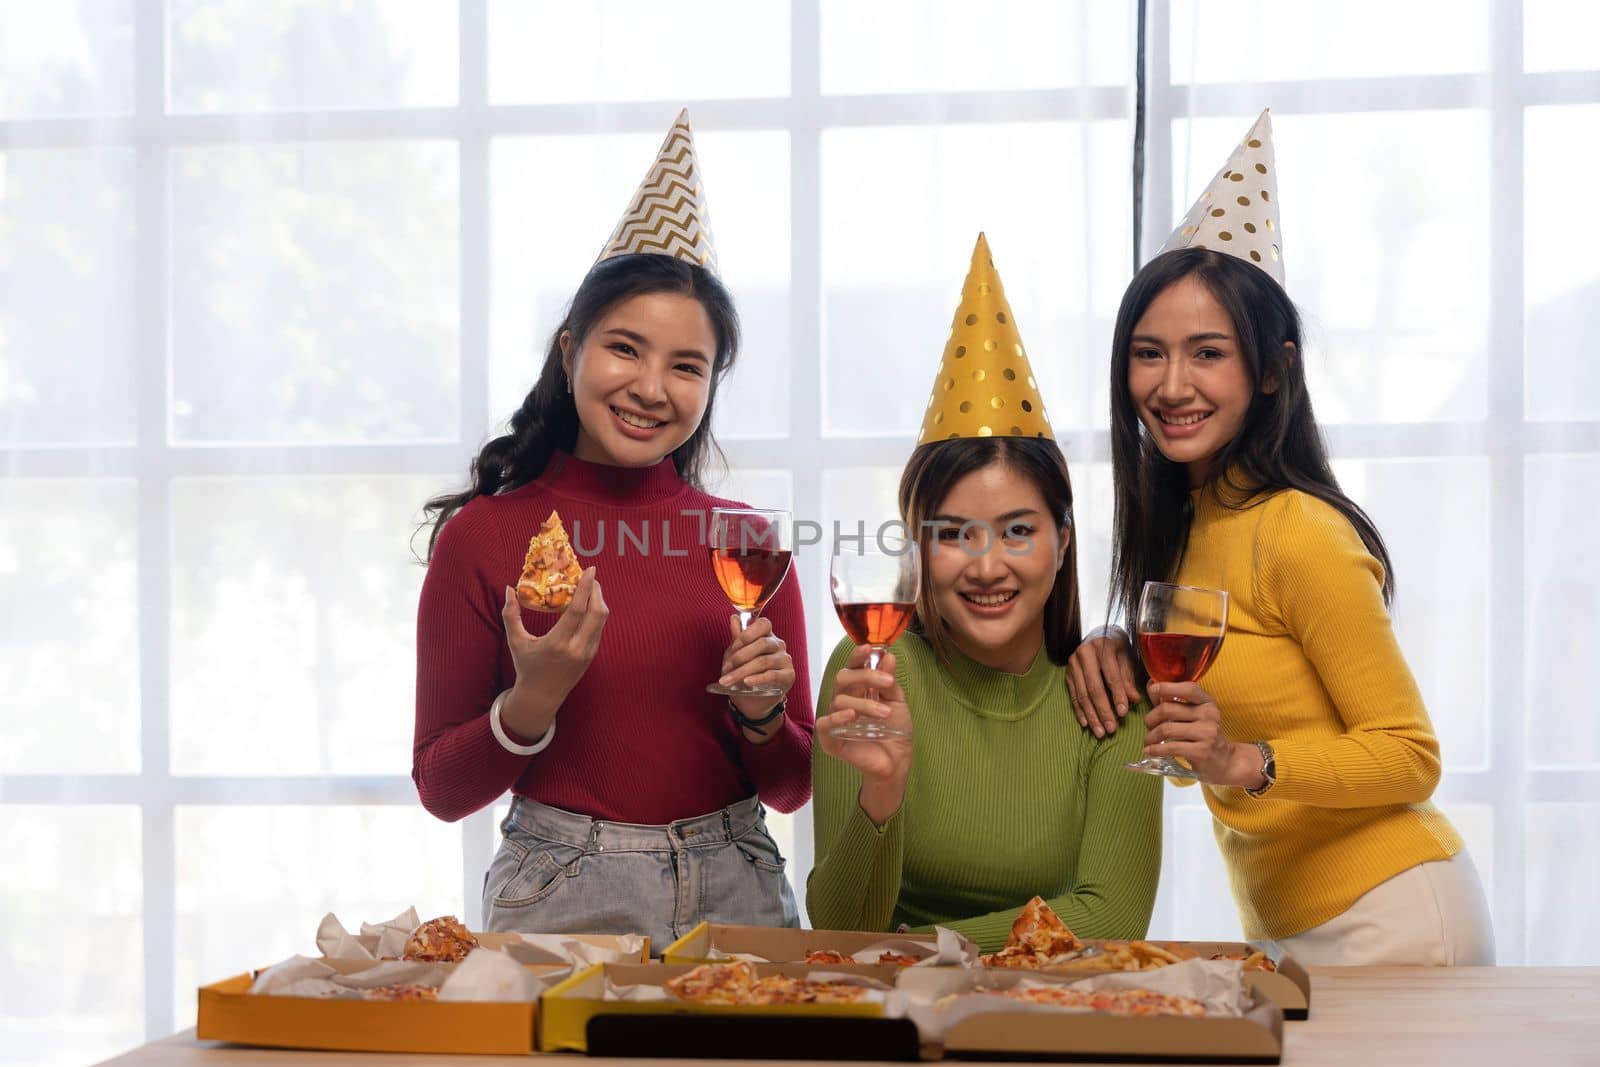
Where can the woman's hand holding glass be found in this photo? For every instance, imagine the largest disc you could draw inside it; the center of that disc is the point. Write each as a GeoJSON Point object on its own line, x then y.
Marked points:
{"type": "Point", "coordinates": [549, 666]}
{"type": "Point", "coordinates": [1186, 723]}
{"type": "Point", "coordinates": [884, 762]}
{"type": "Point", "coordinates": [758, 658]}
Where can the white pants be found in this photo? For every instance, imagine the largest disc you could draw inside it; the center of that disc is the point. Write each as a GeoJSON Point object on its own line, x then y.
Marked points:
{"type": "Point", "coordinates": [1431, 915]}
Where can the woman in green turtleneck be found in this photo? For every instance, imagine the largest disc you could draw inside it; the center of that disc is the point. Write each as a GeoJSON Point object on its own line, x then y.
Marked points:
{"type": "Point", "coordinates": [1000, 794]}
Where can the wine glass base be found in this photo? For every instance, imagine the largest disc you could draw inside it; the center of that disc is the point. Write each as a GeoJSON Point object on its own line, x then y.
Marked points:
{"type": "Point", "coordinates": [1165, 766]}
{"type": "Point", "coordinates": [745, 690]}
{"type": "Point", "coordinates": [867, 731]}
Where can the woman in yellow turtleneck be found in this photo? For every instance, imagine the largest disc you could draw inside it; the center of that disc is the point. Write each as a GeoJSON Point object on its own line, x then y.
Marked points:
{"type": "Point", "coordinates": [1309, 734]}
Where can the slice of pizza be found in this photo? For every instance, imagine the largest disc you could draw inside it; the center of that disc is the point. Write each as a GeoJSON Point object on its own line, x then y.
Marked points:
{"type": "Point", "coordinates": [550, 571]}
{"type": "Point", "coordinates": [1041, 929]}
{"type": "Point", "coordinates": [826, 955]}
{"type": "Point", "coordinates": [442, 940]}
{"type": "Point", "coordinates": [714, 983]}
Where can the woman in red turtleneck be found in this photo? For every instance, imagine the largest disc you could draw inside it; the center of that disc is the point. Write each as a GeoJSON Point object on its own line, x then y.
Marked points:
{"type": "Point", "coordinates": [637, 794]}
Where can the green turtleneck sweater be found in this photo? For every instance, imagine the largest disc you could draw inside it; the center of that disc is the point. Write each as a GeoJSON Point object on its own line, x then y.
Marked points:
{"type": "Point", "coordinates": [1008, 797]}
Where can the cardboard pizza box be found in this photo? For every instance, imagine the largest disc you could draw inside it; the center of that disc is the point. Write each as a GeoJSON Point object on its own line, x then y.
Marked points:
{"type": "Point", "coordinates": [1256, 1037]}
{"type": "Point", "coordinates": [574, 1016]}
{"type": "Point", "coordinates": [230, 1012]}
{"type": "Point", "coordinates": [1289, 987]}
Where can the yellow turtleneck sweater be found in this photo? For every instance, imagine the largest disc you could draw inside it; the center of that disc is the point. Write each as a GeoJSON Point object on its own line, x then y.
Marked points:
{"type": "Point", "coordinates": [1310, 664]}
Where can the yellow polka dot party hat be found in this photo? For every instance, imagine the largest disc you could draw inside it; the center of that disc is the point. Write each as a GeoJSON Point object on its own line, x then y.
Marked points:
{"type": "Point", "coordinates": [1238, 212]}
{"type": "Point", "coordinates": [985, 386]}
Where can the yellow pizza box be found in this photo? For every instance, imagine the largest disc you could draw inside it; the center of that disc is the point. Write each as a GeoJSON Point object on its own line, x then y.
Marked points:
{"type": "Point", "coordinates": [574, 1016]}
{"type": "Point", "coordinates": [1256, 1037]}
{"type": "Point", "coordinates": [1289, 987]}
{"type": "Point", "coordinates": [777, 944]}
{"type": "Point", "coordinates": [230, 1012]}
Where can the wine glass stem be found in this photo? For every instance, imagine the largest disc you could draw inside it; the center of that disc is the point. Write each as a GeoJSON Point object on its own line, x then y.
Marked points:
{"type": "Point", "coordinates": [874, 657]}
{"type": "Point", "coordinates": [746, 617]}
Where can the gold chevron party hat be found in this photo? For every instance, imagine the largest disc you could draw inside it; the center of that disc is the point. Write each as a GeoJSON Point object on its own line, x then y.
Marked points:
{"type": "Point", "coordinates": [985, 386]}
{"type": "Point", "coordinates": [1238, 212]}
{"type": "Point", "coordinates": [668, 214]}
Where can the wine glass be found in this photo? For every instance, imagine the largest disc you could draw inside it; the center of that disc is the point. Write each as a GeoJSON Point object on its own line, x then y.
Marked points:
{"type": "Point", "coordinates": [875, 593]}
{"type": "Point", "coordinates": [1180, 630]}
{"type": "Point", "coordinates": [750, 552]}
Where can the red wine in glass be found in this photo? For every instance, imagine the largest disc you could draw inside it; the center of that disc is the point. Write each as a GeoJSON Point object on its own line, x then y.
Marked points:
{"type": "Point", "coordinates": [1180, 631]}
{"type": "Point", "coordinates": [750, 554]}
{"type": "Point", "coordinates": [875, 623]}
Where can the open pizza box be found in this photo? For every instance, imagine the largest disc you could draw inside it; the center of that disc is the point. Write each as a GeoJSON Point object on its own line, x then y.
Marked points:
{"type": "Point", "coordinates": [229, 1011]}
{"type": "Point", "coordinates": [1289, 987]}
{"type": "Point", "coordinates": [579, 1015]}
{"type": "Point", "coordinates": [709, 942]}
{"type": "Point", "coordinates": [1028, 1032]}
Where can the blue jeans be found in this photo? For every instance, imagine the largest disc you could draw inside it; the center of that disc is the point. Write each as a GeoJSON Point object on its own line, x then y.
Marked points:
{"type": "Point", "coordinates": [558, 872]}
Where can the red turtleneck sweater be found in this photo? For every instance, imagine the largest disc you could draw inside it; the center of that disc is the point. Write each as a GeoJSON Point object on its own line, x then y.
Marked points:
{"type": "Point", "coordinates": [638, 739]}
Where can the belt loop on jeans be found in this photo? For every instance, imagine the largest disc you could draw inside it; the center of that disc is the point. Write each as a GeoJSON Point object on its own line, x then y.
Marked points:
{"type": "Point", "coordinates": [727, 824]}
{"type": "Point", "coordinates": [594, 837]}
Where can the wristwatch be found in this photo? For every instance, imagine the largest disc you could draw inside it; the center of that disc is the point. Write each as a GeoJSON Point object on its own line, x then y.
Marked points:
{"type": "Point", "coordinates": [1269, 769]}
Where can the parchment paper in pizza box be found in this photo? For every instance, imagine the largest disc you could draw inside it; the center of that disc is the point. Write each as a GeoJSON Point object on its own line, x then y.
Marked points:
{"type": "Point", "coordinates": [557, 948]}
{"type": "Point", "coordinates": [485, 975]}
{"type": "Point", "coordinates": [376, 940]}
{"type": "Point", "coordinates": [936, 1000]}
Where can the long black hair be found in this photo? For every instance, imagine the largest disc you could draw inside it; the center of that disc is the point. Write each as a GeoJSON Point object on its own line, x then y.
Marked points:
{"type": "Point", "coordinates": [547, 421]}
{"type": "Point", "coordinates": [930, 474]}
{"type": "Point", "coordinates": [1278, 445]}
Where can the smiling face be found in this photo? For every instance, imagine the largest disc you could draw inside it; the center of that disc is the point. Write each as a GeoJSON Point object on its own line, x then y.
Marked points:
{"type": "Point", "coordinates": [1188, 376]}
{"type": "Point", "coordinates": [641, 379]}
{"type": "Point", "coordinates": [990, 581]}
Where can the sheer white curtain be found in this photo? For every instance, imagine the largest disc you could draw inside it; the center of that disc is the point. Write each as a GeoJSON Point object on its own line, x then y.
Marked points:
{"type": "Point", "coordinates": [270, 272]}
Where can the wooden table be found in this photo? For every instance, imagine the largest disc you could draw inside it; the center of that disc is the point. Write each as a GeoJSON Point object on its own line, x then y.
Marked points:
{"type": "Point", "coordinates": [1410, 1017]}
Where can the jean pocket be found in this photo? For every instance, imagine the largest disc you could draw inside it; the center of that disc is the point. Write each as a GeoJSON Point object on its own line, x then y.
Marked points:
{"type": "Point", "coordinates": [544, 868]}
{"type": "Point", "coordinates": [760, 850]}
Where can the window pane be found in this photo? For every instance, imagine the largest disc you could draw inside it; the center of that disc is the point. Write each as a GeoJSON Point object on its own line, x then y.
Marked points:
{"type": "Point", "coordinates": [1442, 621]}
{"type": "Point", "coordinates": [66, 58]}
{"type": "Point", "coordinates": [1263, 40]}
{"type": "Point", "coordinates": [1561, 277]}
{"type": "Point", "coordinates": [1561, 604]}
{"type": "Point", "coordinates": [900, 46]}
{"type": "Point", "coordinates": [540, 255]}
{"type": "Point", "coordinates": [287, 661]}
{"type": "Point", "coordinates": [314, 293]}
{"type": "Point", "coordinates": [1195, 890]}
{"type": "Point", "coordinates": [69, 583]}
{"type": "Point", "coordinates": [1563, 867]}
{"type": "Point", "coordinates": [72, 892]}
{"type": "Point", "coordinates": [253, 883]}
{"type": "Point", "coordinates": [1391, 276]}
{"type": "Point", "coordinates": [552, 53]}
{"type": "Point", "coordinates": [66, 297]}
{"type": "Point", "coordinates": [901, 208]}
{"type": "Point", "coordinates": [293, 55]}
{"type": "Point", "coordinates": [1560, 35]}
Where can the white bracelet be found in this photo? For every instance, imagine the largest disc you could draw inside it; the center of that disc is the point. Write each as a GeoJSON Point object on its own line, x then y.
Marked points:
{"type": "Point", "coordinates": [497, 728]}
